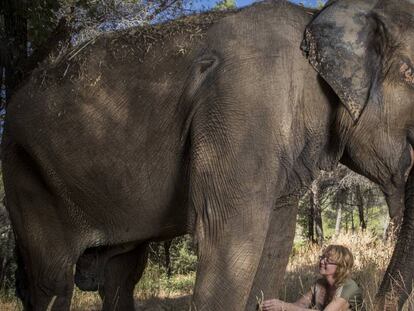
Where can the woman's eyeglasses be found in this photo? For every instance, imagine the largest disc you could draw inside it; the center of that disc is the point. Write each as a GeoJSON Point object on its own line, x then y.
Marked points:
{"type": "Point", "coordinates": [326, 261]}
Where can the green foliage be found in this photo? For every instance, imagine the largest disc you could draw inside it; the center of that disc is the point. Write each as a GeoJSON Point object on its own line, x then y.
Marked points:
{"type": "Point", "coordinates": [225, 5]}
{"type": "Point", "coordinates": [42, 19]}
{"type": "Point", "coordinates": [7, 260]}
{"type": "Point", "coordinates": [43, 15]}
{"type": "Point", "coordinates": [343, 197]}
{"type": "Point", "coordinates": [183, 257]}
{"type": "Point", "coordinates": [320, 4]}
{"type": "Point", "coordinates": [8, 266]}
{"type": "Point", "coordinates": [154, 283]}
{"type": "Point", "coordinates": [155, 280]}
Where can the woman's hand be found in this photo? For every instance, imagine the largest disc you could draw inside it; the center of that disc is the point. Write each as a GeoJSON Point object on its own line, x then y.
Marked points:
{"type": "Point", "coordinates": [273, 305]}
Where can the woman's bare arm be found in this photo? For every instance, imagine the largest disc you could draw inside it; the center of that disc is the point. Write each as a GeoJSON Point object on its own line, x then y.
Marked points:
{"type": "Point", "coordinates": [305, 300]}
{"type": "Point", "coordinates": [303, 303]}
{"type": "Point", "coordinates": [337, 304]}
{"type": "Point", "coordinates": [279, 305]}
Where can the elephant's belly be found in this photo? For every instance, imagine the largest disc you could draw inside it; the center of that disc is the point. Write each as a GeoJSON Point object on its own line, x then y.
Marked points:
{"type": "Point", "coordinates": [138, 214]}
{"type": "Point", "coordinates": [159, 222]}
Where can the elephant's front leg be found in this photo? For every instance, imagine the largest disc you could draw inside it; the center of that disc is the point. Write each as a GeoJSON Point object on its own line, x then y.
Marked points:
{"type": "Point", "coordinates": [233, 202]}
{"type": "Point", "coordinates": [234, 167]}
{"type": "Point", "coordinates": [270, 273]}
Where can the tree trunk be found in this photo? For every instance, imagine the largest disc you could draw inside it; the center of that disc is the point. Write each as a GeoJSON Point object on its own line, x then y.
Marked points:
{"type": "Point", "coordinates": [15, 53]}
{"type": "Point", "coordinates": [352, 221]}
{"type": "Point", "coordinates": [2, 83]}
{"type": "Point", "coordinates": [360, 204]}
{"type": "Point", "coordinates": [311, 219]}
{"type": "Point", "coordinates": [346, 222]}
{"type": "Point", "coordinates": [167, 246]}
{"type": "Point", "coordinates": [338, 219]}
{"type": "Point", "coordinates": [317, 211]}
{"type": "Point", "coordinates": [385, 227]}
{"type": "Point", "coordinates": [391, 228]}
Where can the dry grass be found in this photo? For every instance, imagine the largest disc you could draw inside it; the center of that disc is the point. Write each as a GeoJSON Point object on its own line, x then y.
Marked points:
{"type": "Point", "coordinates": [10, 305]}
{"type": "Point", "coordinates": [371, 256]}
{"type": "Point", "coordinates": [155, 292]}
{"type": "Point", "coordinates": [86, 301]}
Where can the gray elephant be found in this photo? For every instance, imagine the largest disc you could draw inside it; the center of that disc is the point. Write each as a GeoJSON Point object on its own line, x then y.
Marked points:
{"type": "Point", "coordinates": [211, 125]}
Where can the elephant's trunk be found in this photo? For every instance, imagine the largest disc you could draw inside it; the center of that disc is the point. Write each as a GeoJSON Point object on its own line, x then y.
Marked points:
{"type": "Point", "coordinates": [396, 285]}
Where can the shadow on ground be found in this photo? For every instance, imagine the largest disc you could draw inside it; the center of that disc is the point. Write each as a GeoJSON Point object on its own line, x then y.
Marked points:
{"type": "Point", "coordinates": [164, 304]}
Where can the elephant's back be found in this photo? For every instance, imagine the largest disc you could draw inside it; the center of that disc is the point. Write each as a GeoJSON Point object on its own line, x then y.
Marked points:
{"type": "Point", "coordinates": [112, 90]}
{"type": "Point", "coordinates": [131, 60]}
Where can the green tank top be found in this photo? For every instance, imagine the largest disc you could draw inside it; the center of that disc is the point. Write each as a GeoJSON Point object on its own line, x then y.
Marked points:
{"type": "Point", "coordinates": [349, 291]}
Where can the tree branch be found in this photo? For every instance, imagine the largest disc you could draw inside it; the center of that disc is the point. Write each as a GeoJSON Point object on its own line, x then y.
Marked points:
{"type": "Point", "coordinates": [164, 5]}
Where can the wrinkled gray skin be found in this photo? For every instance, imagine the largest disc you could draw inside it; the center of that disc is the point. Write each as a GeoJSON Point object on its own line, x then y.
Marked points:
{"type": "Point", "coordinates": [213, 132]}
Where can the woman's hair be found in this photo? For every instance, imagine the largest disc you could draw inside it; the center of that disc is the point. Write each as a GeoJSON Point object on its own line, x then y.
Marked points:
{"type": "Point", "coordinates": [342, 256]}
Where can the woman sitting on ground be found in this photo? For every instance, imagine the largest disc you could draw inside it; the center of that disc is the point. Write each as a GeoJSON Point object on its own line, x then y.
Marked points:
{"type": "Point", "coordinates": [335, 291]}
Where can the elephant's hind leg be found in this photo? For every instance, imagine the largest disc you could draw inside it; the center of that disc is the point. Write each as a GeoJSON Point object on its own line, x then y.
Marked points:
{"type": "Point", "coordinates": [46, 248]}
{"type": "Point", "coordinates": [122, 272]}
{"type": "Point", "coordinates": [38, 296]}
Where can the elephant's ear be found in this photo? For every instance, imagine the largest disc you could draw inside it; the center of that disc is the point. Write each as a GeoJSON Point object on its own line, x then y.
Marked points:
{"type": "Point", "coordinates": [344, 44]}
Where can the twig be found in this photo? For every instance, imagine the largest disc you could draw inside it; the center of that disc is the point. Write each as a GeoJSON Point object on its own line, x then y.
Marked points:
{"type": "Point", "coordinates": [79, 50]}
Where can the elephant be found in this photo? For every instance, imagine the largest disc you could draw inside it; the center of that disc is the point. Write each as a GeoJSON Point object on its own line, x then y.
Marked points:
{"type": "Point", "coordinates": [211, 125]}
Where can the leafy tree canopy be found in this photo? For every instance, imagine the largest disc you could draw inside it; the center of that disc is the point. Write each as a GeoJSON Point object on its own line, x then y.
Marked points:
{"type": "Point", "coordinates": [225, 5]}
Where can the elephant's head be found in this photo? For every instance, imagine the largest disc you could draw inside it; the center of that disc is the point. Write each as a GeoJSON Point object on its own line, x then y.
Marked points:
{"type": "Point", "coordinates": [364, 49]}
